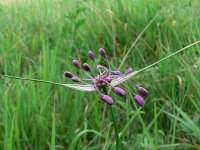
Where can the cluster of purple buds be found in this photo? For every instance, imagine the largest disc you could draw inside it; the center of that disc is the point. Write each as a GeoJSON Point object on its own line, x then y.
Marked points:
{"type": "Point", "coordinates": [105, 78]}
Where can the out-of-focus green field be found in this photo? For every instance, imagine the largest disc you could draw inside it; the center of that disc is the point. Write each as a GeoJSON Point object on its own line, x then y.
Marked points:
{"type": "Point", "coordinates": [39, 39]}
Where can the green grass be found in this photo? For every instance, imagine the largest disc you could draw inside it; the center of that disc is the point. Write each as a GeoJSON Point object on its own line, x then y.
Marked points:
{"type": "Point", "coordinates": [39, 39]}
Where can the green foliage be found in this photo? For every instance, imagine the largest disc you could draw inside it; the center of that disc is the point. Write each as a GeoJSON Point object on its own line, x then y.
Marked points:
{"type": "Point", "coordinates": [38, 39]}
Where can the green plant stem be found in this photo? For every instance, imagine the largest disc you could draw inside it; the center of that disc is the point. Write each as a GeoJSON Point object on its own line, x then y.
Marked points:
{"type": "Point", "coordinates": [115, 126]}
{"type": "Point", "coordinates": [28, 79]}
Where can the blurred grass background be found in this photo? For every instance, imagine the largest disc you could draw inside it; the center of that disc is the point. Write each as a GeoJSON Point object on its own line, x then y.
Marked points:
{"type": "Point", "coordinates": [39, 39]}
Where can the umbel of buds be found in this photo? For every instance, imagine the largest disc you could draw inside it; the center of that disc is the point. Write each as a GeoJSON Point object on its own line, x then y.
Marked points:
{"type": "Point", "coordinates": [106, 78]}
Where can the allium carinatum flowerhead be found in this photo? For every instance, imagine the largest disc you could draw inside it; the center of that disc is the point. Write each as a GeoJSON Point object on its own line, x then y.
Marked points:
{"type": "Point", "coordinates": [105, 77]}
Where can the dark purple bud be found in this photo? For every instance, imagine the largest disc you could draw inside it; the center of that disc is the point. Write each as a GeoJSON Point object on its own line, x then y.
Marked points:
{"type": "Point", "coordinates": [102, 52]}
{"type": "Point", "coordinates": [68, 74]}
{"type": "Point", "coordinates": [76, 63]}
{"type": "Point", "coordinates": [139, 100]}
{"type": "Point", "coordinates": [76, 79]}
{"type": "Point", "coordinates": [86, 67]}
{"type": "Point", "coordinates": [142, 91]}
{"type": "Point", "coordinates": [128, 71]}
{"type": "Point", "coordinates": [107, 99]}
{"type": "Point", "coordinates": [117, 72]}
{"type": "Point", "coordinates": [91, 55]}
{"type": "Point", "coordinates": [119, 91]}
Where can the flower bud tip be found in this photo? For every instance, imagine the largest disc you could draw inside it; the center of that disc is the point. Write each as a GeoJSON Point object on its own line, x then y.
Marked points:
{"type": "Point", "coordinates": [142, 91]}
{"type": "Point", "coordinates": [119, 91]}
{"type": "Point", "coordinates": [76, 79]}
{"type": "Point", "coordinates": [68, 74]}
{"type": "Point", "coordinates": [128, 71]}
{"type": "Point", "coordinates": [117, 72]}
{"type": "Point", "coordinates": [76, 63]}
{"type": "Point", "coordinates": [91, 55]}
{"type": "Point", "coordinates": [139, 100]}
{"type": "Point", "coordinates": [102, 52]}
{"type": "Point", "coordinates": [86, 67]}
{"type": "Point", "coordinates": [107, 99]}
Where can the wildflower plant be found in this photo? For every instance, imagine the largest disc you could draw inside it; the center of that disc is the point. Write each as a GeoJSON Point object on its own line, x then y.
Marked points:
{"type": "Point", "coordinates": [106, 78]}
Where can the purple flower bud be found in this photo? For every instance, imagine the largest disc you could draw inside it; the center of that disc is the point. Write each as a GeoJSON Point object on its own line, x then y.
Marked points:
{"type": "Point", "coordinates": [86, 67]}
{"type": "Point", "coordinates": [128, 71]}
{"type": "Point", "coordinates": [119, 91]}
{"type": "Point", "coordinates": [107, 99]}
{"type": "Point", "coordinates": [108, 78]}
{"type": "Point", "coordinates": [76, 79]}
{"type": "Point", "coordinates": [117, 72]}
{"type": "Point", "coordinates": [76, 63]}
{"type": "Point", "coordinates": [68, 74]}
{"type": "Point", "coordinates": [91, 55]}
{"type": "Point", "coordinates": [102, 52]}
{"type": "Point", "coordinates": [142, 91]}
{"type": "Point", "coordinates": [139, 100]}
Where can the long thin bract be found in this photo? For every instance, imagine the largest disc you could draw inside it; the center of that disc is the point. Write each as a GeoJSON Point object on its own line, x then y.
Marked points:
{"type": "Point", "coordinates": [122, 79]}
